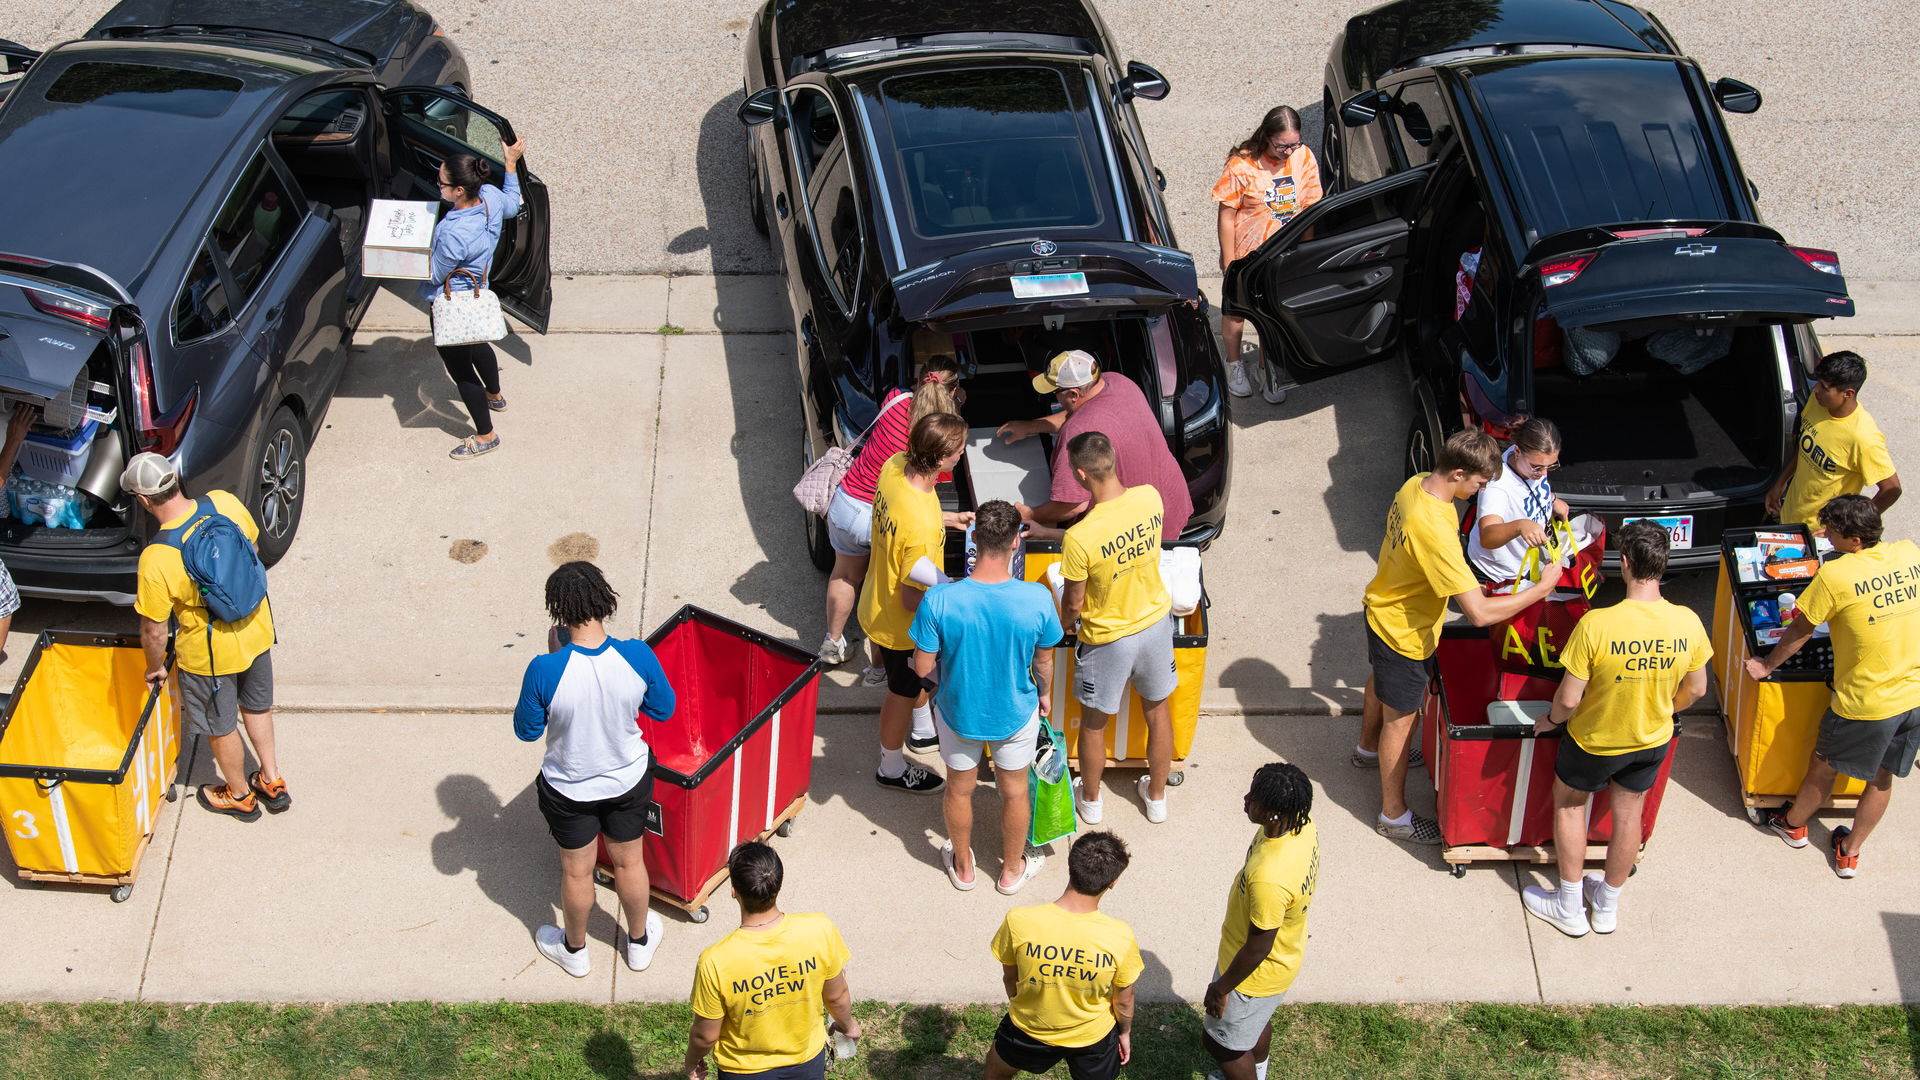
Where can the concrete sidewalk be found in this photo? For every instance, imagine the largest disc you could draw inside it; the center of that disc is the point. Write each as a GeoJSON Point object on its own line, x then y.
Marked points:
{"type": "Point", "coordinates": [414, 864]}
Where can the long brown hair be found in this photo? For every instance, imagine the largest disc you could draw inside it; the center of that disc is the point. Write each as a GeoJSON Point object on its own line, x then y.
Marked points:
{"type": "Point", "coordinates": [933, 438]}
{"type": "Point", "coordinates": [934, 392]}
{"type": "Point", "coordinates": [1280, 118]}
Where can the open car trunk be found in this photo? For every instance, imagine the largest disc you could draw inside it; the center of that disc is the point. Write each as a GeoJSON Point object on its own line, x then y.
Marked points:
{"type": "Point", "coordinates": [100, 450]}
{"type": "Point", "coordinates": [1641, 429]}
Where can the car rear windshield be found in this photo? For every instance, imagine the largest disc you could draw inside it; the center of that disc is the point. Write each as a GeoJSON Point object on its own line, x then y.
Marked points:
{"type": "Point", "coordinates": [990, 149]}
{"type": "Point", "coordinates": [143, 86]}
{"type": "Point", "coordinates": [1601, 140]}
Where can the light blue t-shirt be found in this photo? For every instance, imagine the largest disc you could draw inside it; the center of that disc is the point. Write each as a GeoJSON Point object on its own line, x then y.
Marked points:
{"type": "Point", "coordinates": [985, 636]}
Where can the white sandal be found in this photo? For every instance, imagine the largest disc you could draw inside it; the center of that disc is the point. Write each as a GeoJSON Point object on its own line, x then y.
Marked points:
{"type": "Point", "coordinates": [953, 875]}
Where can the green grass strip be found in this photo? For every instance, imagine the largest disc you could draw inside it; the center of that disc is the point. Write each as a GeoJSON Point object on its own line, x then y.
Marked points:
{"type": "Point", "coordinates": [925, 1042]}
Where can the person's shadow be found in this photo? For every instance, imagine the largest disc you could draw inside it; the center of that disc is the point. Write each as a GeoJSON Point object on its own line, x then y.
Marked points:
{"type": "Point", "coordinates": [844, 767]}
{"type": "Point", "coordinates": [505, 847]}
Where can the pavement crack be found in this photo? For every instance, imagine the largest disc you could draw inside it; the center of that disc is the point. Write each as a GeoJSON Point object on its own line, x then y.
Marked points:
{"type": "Point", "coordinates": [166, 871]}
{"type": "Point", "coordinates": [422, 926]}
{"type": "Point", "coordinates": [1533, 953]}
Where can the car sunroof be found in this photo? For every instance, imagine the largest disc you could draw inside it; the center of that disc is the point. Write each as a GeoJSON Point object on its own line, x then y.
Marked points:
{"type": "Point", "coordinates": [143, 86]}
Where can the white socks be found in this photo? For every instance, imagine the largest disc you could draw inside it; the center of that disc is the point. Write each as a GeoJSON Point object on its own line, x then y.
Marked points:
{"type": "Point", "coordinates": [1403, 819]}
{"type": "Point", "coordinates": [923, 722]}
{"type": "Point", "coordinates": [1370, 755]}
{"type": "Point", "coordinates": [1605, 898]}
{"type": "Point", "coordinates": [1572, 904]}
{"type": "Point", "coordinates": [893, 763]}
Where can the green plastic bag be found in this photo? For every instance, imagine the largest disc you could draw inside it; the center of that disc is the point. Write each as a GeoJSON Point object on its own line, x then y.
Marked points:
{"type": "Point", "coordinates": [1052, 803]}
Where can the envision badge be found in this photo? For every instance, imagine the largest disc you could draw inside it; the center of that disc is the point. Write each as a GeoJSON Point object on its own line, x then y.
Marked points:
{"type": "Point", "coordinates": [1696, 250]}
{"type": "Point", "coordinates": [1045, 247]}
{"type": "Point", "coordinates": [57, 341]}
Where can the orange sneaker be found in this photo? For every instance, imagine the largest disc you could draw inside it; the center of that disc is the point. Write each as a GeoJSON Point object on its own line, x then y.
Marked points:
{"type": "Point", "coordinates": [272, 796]}
{"type": "Point", "coordinates": [219, 799]}
{"type": "Point", "coordinates": [1844, 864]}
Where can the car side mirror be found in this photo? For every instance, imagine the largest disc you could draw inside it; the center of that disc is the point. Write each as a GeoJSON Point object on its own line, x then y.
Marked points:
{"type": "Point", "coordinates": [761, 107]}
{"type": "Point", "coordinates": [1736, 96]}
{"type": "Point", "coordinates": [15, 58]}
{"type": "Point", "coordinates": [1362, 109]}
{"type": "Point", "coordinates": [1143, 82]}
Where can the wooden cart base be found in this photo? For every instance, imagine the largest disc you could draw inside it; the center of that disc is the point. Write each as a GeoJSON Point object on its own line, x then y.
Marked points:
{"type": "Point", "coordinates": [1176, 776]}
{"type": "Point", "coordinates": [122, 884]}
{"type": "Point", "coordinates": [1459, 857]}
{"type": "Point", "coordinates": [696, 906]}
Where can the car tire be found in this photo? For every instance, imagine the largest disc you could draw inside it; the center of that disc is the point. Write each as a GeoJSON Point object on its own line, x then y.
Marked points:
{"type": "Point", "coordinates": [819, 547]}
{"type": "Point", "coordinates": [756, 199]}
{"type": "Point", "coordinates": [278, 490]}
{"type": "Point", "coordinates": [1422, 444]}
{"type": "Point", "coordinates": [1331, 163]}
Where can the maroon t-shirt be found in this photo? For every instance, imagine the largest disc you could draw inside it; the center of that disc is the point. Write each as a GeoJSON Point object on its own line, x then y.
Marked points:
{"type": "Point", "coordinates": [1121, 413]}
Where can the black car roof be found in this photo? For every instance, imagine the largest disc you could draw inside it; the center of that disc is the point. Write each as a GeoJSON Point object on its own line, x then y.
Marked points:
{"type": "Point", "coordinates": [806, 27]}
{"type": "Point", "coordinates": [1397, 35]}
{"type": "Point", "coordinates": [339, 21]}
{"type": "Point", "coordinates": [110, 184]}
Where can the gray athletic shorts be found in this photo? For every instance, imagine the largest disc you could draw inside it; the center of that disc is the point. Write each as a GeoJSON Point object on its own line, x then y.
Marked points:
{"type": "Point", "coordinates": [1241, 1020]}
{"type": "Point", "coordinates": [1398, 681]}
{"type": "Point", "coordinates": [1101, 672]}
{"type": "Point", "coordinates": [211, 704]}
{"type": "Point", "coordinates": [1861, 748]}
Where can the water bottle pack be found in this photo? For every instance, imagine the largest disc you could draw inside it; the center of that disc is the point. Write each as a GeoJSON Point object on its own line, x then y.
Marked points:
{"type": "Point", "coordinates": [39, 502]}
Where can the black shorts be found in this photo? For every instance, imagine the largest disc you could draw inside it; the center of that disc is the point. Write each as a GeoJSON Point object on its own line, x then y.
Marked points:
{"type": "Point", "coordinates": [576, 824]}
{"type": "Point", "coordinates": [1861, 748]}
{"type": "Point", "coordinates": [1101, 1061]}
{"type": "Point", "coordinates": [1590, 773]}
{"type": "Point", "coordinates": [901, 679]}
{"type": "Point", "coordinates": [815, 1069]}
{"type": "Point", "coordinates": [1398, 681]}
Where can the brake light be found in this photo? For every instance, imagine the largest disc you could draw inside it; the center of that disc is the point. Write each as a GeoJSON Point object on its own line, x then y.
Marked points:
{"type": "Point", "coordinates": [26, 260]}
{"type": "Point", "coordinates": [1662, 232]}
{"type": "Point", "coordinates": [1561, 271]}
{"type": "Point", "coordinates": [92, 316]}
{"type": "Point", "coordinates": [159, 433]}
{"type": "Point", "coordinates": [1824, 261]}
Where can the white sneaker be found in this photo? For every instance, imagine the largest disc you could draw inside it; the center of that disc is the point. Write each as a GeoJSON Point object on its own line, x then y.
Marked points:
{"type": "Point", "coordinates": [873, 676]}
{"type": "Point", "coordinates": [1089, 811]}
{"type": "Point", "coordinates": [1156, 808]}
{"type": "Point", "coordinates": [833, 652]}
{"type": "Point", "coordinates": [1237, 383]}
{"type": "Point", "coordinates": [552, 943]}
{"type": "Point", "coordinates": [1603, 920]}
{"type": "Point", "coordinates": [1545, 904]}
{"type": "Point", "coordinates": [1272, 383]}
{"type": "Point", "coordinates": [638, 955]}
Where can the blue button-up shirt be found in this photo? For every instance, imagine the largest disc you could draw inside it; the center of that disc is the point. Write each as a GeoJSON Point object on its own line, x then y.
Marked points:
{"type": "Point", "coordinates": [465, 239]}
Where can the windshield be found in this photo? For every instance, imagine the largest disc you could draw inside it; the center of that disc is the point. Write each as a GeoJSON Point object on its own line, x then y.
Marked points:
{"type": "Point", "coordinates": [142, 86]}
{"type": "Point", "coordinates": [1600, 141]}
{"type": "Point", "coordinates": [990, 150]}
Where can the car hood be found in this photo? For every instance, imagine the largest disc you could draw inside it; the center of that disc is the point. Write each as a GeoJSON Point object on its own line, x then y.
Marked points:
{"type": "Point", "coordinates": [1723, 273]}
{"type": "Point", "coordinates": [1022, 279]}
{"type": "Point", "coordinates": [328, 20]}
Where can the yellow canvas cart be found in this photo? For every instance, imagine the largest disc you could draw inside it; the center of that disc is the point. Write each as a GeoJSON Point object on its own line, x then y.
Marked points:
{"type": "Point", "coordinates": [87, 751]}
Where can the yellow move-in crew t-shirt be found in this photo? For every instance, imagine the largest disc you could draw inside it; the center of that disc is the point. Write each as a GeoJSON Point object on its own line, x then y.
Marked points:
{"type": "Point", "coordinates": [1115, 549]}
{"type": "Point", "coordinates": [1273, 892]}
{"type": "Point", "coordinates": [1633, 656]}
{"type": "Point", "coordinates": [1067, 966]}
{"type": "Point", "coordinates": [1833, 457]}
{"type": "Point", "coordinates": [906, 528]}
{"type": "Point", "coordinates": [1421, 565]}
{"type": "Point", "coordinates": [766, 987]}
{"type": "Point", "coordinates": [165, 590]}
{"type": "Point", "coordinates": [1869, 601]}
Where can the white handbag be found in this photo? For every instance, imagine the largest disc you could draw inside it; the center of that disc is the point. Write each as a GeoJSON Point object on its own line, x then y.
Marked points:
{"type": "Point", "coordinates": [467, 316]}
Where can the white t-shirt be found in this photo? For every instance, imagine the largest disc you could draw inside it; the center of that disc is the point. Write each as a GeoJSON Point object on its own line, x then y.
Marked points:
{"type": "Point", "coordinates": [1509, 498]}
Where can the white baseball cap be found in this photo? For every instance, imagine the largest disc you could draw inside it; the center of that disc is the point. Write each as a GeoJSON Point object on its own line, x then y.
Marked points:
{"type": "Point", "coordinates": [148, 474]}
{"type": "Point", "coordinates": [1070, 370]}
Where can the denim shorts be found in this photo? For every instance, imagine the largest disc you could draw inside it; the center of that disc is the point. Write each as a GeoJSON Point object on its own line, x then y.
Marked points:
{"type": "Point", "coordinates": [850, 525]}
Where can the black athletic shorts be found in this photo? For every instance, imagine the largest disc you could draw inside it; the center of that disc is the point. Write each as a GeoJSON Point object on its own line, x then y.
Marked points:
{"type": "Point", "coordinates": [577, 824]}
{"type": "Point", "coordinates": [901, 680]}
{"type": "Point", "coordinates": [814, 1069]}
{"type": "Point", "coordinates": [1400, 682]}
{"type": "Point", "coordinates": [1101, 1061]}
{"type": "Point", "coordinates": [1634, 771]}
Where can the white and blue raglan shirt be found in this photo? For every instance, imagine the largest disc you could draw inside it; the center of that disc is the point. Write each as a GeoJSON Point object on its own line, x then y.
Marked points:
{"type": "Point", "coordinates": [1510, 498]}
{"type": "Point", "coordinates": [590, 702]}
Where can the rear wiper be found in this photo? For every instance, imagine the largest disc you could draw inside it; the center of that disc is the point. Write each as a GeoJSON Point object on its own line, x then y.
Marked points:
{"type": "Point", "coordinates": [300, 41]}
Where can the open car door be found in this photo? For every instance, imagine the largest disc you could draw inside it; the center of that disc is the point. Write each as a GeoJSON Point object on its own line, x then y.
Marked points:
{"type": "Point", "coordinates": [1326, 287]}
{"type": "Point", "coordinates": [430, 124]}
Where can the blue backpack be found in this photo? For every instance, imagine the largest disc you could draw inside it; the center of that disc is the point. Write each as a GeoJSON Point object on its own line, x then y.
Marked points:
{"type": "Point", "coordinates": [221, 561]}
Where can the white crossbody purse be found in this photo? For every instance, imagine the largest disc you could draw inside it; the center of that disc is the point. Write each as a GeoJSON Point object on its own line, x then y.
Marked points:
{"type": "Point", "coordinates": [470, 315]}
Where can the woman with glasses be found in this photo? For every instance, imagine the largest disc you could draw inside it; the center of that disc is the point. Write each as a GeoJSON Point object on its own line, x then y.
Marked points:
{"type": "Point", "coordinates": [1269, 178]}
{"type": "Point", "coordinates": [1514, 511]}
{"type": "Point", "coordinates": [465, 239]}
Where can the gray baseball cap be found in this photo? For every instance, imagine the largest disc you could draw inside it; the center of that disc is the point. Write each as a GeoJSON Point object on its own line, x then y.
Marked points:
{"type": "Point", "coordinates": [148, 474]}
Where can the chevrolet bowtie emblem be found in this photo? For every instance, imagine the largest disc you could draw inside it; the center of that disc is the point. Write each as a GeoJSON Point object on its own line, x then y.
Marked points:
{"type": "Point", "coordinates": [1696, 249]}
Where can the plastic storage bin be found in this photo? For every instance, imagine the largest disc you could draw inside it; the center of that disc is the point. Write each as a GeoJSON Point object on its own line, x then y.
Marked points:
{"type": "Point", "coordinates": [735, 761]}
{"type": "Point", "coordinates": [1494, 782]}
{"type": "Point", "coordinates": [87, 751]}
{"type": "Point", "coordinates": [1771, 725]}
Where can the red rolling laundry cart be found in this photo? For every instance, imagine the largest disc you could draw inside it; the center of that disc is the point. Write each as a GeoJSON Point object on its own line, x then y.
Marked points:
{"type": "Point", "coordinates": [734, 762]}
{"type": "Point", "coordinates": [1494, 780]}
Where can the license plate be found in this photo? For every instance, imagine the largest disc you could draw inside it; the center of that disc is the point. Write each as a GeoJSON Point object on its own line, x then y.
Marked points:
{"type": "Point", "coordinates": [1679, 529]}
{"type": "Point", "coordinates": [1033, 286]}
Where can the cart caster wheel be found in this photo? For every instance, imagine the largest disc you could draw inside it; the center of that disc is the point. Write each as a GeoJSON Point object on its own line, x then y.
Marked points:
{"type": "Point", "coordinates": [602, 876]}
{"type": "Point", "coordinates": [120, 893]}
{"type": "Point", "coordinates": [1175, 779]}
{"type": "Point", "coordinates": [1458, 870]}
{"type": "Point", "coordinates": [1753, 814]}
{"type": "Point", "coordinates": [699, 914]}
{"type": "Point", "coordinates": [785, 829]}
{"type": "Point", "coordinates": [173, 792]}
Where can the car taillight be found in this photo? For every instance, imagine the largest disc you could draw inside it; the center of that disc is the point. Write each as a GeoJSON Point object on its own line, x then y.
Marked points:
{"type": "Point", "coordinates": [92, 316]}
{"type": "Point", "coordinates": [1561, 271]}
{"type": "Point", "coordinates": [1824, 261]}
{"type": "Point", "coordinates": [160, 433]}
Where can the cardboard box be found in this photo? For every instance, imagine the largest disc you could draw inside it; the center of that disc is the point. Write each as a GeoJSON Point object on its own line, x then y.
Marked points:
{"type": "Point", "coordinates": [399, 240]}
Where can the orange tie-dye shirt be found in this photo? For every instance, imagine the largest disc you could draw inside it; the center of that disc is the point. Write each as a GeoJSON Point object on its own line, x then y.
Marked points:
{"type": "Point", "coordinates": [1264, 200]}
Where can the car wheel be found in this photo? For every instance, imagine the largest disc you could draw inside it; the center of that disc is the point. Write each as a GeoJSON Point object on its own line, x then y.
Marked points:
{"type": "Point", "coordinates": [756, 199]}
{"type": "Point", "coordinates": [1331, 164]}
{"type": "Point", "coordinates": [1421, 445]}
{"type": "Point", "coordinates": [279, 484]}
{"type": "Point", "coordinates": [819, 547]}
